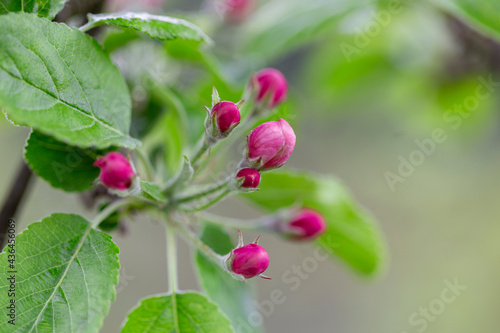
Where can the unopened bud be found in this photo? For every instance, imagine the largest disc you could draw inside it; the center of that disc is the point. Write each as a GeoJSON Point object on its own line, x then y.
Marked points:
{"type": "Point", "coordinates": [237, 11]}
{"type": "Point", "coordinates": [306, 224]}
{"type": "Point", "coordinates": [269, 86]}
{"type": "Point", "coordinates": [116, 171]}
{"type": "Point", "coordinates": [248, 261]}
{"type": "Point", "coordinates": [223, 118]}
{"type": "Point", "coordinates": [270, 145]}
{"type": "Point", "coordinates": [250, 178]}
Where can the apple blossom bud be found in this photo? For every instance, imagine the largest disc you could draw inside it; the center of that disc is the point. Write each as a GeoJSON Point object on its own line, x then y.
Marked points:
{"type": "Point", "coordinates": [247, 261]}
{"type": "Point", "coordinates": [251, 177]}
{"type": "Point", "coordinates": [226, 116]}
{"type": "Point", "coordinates": [116, 171]}
{"type": "Point", "coordinates": [270, 86]}
{"type": "Point", "coordinates": [270, 145]}
{"type": "Point", "coordinates": [250, 260]}
{"type": "Point", "coordinates": [237, 11]}
{"type": "Point", "coordinates": [306, 224]}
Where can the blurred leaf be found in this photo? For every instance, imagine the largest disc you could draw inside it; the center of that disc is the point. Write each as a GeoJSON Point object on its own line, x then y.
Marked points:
{"type": "Point", "coordinates": [70, 90]}
{"type": "Point", "coordinates": [184, 49]}
{"type": "Point", "coordinates": [157, 27]}
{"type": "Point", "coordinates": [352, 235]}
{"type": "Point", "coordinates": [48, 9]}
{"type": "Point", "coordinates": [482, 14]}
{"type": "Point", "coordinates": [281, 26]}
{"type": "Point", "coordinates": [66, 276]}
{"type": "Point", "coordinates": [152, 191]}
{"type": "Point", "coordinates": [65, 167]}
{"type": "Point", "coordinates": [186, 313]}
{"type": "Point", "coordinates": [233, 297]}
{"type": "Point", "coordinates": [114, 39]}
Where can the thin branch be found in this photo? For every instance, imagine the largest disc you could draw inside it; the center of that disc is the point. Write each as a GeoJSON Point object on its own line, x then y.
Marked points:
{"type": "Point", "coordinates": [15, 196]}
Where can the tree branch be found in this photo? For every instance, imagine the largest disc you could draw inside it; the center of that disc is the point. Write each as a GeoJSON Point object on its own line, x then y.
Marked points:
{"type": "Point", "coordinates": [13, 200]}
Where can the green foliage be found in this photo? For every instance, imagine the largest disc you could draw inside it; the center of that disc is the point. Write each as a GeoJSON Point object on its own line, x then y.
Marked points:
{"type": "Point", "coordinates": [65, 167]}
{"type": "Point", "coordinates": [62, 88]}
{"type": "Point", "coordinates": [157, 27]}
{"type": "Point", "coordinates": [66, 276]}
{"type": "Point", "coordinates": [45, 8]}
{"type": "Point", "coordinates": [233, 297]}
{"type": "Point", "coordinates": [186, 313]}
{"type": "Point", "coordinates": [351, 235]}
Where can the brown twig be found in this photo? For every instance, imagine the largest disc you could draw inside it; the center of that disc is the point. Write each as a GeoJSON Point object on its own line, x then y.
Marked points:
{"type": "Point", "coordinates": [14, 198]}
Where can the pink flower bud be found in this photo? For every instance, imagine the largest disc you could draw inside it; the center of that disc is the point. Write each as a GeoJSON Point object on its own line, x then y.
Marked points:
{"type": "Point", "coordinates": [237, 11]}
{"type": "Point", "coordinates": [250, 260]}
{"type": "Point", "coordinates": [116, 171]}
{"type": "Point", "coordinates": [270, 84]}
{"type": "Point", "coordinates": [307, 224]}
{"type": "Point", "coordinates": [251, 177]}
{"type": "Point", "coordinates": [227, 116]}
{"type": "Point", "coordinates": [270, 145]}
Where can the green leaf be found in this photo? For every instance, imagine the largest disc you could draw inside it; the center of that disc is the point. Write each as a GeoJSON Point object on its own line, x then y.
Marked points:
{"type": "Point", "coordinates": [233, 297]}
{"type": "Point", "coordinates": [152, 191]}
{"type": "Point", "coordinates": [352, 234]}
{"type": "Point", "coordinates": [66, 273]}
{"type": "Point", "coordinates": [66, 167]}
{"type": "Point", "coordinates": [185, 50]}
{"type": "Point", "coordinates": [60, 82]}
{"type": "Point", "coordinates": [44, 8]}
{"type": "Point", "coordinates": [157, 27]}
{"type": "Point", "coordinates": [482, 14]}
{"type": "Point", "coordinates": [194, 314]}
{"type": "Point", "coordinates": [281, 26]}
{"type": "Point", "coordinates": [7, 6]}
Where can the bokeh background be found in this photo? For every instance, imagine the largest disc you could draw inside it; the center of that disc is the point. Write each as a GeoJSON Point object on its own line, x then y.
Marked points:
{"type": "Point", "coordinates": [361, 95]}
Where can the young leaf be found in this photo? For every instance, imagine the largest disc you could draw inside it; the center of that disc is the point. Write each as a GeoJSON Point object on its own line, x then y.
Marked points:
{"type": "Point", "coordinates": [60, 82]}
{"type": "Point", "coordinates": [482, 14]}
{"type": "Point", "coordinates": [63, 166]}
{"type": "Point", "coordinates": [233, 297]}
{"type": "Point", "coordinates": [352, 235]}
{"type": "Point", "coordinates": [157, 27]}
{"type": "Point", "coordinates": [152, 191]}
{"type": "Point", "coordinates": [65, 275]}
{"type": "Point", "coordinates": [186, 313]}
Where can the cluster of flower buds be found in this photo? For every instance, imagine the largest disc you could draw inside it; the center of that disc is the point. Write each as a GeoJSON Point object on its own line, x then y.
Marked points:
{"type": "Point", "coordinates": [269, 146]}
{"type": "Point", "coordinates": [247, 261]}
{"type": "Point", "coordinates": [116, 171]}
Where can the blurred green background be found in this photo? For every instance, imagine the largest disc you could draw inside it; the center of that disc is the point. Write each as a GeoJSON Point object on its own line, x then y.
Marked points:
{"type": "Point", "coordinates": [364, 88]}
